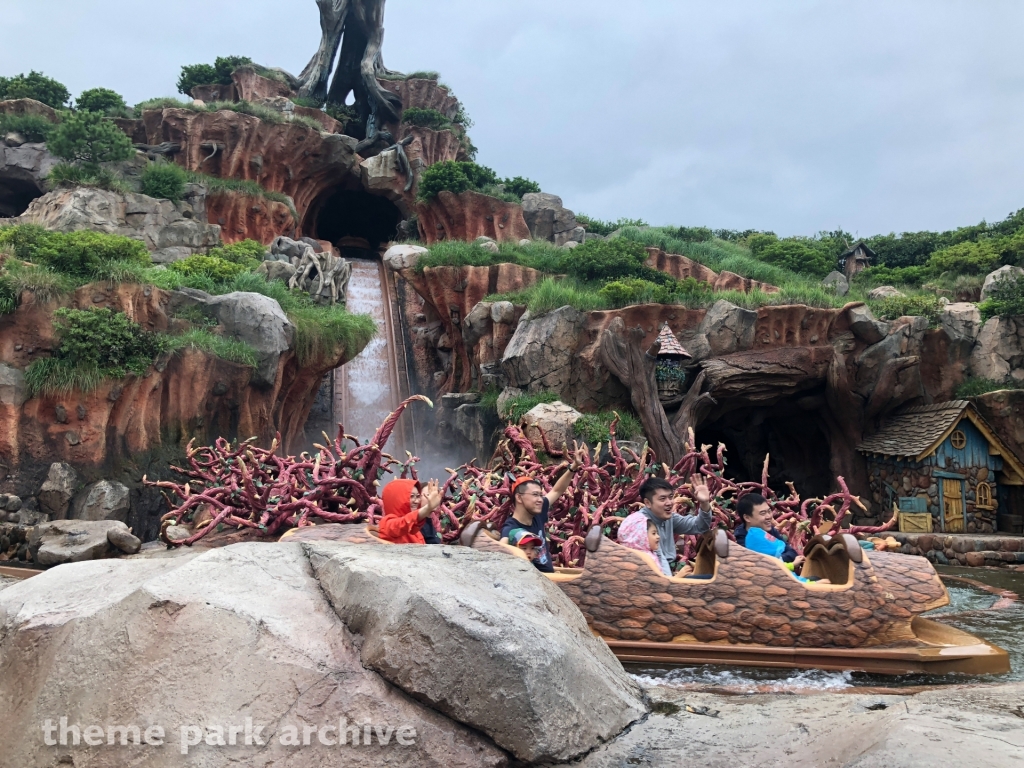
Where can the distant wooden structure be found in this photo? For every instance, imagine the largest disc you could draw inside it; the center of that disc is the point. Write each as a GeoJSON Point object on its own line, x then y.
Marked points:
{"type": "Point", "coordinates": [943, 459]}
{"type": "Point", "coordinates": [855, 259]}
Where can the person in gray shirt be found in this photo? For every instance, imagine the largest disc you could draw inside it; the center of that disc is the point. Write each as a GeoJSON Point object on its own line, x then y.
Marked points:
{"type": "Point", "coordinates": [658, 496]}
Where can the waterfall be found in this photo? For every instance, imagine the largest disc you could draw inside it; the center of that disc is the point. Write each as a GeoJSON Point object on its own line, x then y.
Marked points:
{"type": "Point", "coordinates": [367, 389]}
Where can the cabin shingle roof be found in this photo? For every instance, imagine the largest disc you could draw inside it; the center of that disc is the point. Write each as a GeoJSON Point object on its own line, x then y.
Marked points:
{"type": "Point", "coordinates": [915, 430]}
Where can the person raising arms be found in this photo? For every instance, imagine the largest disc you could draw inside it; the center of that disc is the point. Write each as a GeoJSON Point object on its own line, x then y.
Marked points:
{"type": "Point", "coordinates": [406, 506]}
{"type": "Point", "coordinates": [532, 506]}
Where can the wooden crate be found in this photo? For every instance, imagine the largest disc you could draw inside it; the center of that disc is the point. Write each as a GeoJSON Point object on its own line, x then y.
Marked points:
{"type": "Point", "coordinates": [915, 522]}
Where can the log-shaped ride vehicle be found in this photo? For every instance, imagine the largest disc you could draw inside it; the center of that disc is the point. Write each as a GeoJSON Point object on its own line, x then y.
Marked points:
{"type": "Point", "coordinates": [743, 608]}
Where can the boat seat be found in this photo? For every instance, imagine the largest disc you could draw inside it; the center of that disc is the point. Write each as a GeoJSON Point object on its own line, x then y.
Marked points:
{"type": "Point", "coordinates": [829, 557]}
{"type": "Point", "coordinates": [712, 545]}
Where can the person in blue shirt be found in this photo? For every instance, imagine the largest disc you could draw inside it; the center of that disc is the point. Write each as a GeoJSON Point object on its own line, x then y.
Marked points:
{"type": "Point", "coordinates": [755, 513]}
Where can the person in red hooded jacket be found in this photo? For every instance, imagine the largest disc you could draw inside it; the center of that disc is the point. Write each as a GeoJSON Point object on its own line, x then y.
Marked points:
{"type": "Point", "coordinates": [403, 513]}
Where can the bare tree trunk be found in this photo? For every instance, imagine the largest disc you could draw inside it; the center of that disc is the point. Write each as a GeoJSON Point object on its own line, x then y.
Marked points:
{"type": "Point", "coordinates": [620, 351]}
{"type": "Point", "coordinates": [694, 409]}
{"type": "Point", "coordinates": [313, 80]}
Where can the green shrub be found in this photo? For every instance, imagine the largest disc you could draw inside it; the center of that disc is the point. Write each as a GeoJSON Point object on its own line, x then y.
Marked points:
{"type": "Point", "coordinates": [213, 267]}
{"type": "Point", "coordinates": [101, 100]}
{"type": "Point", "coordinates": [515, 408]}
{"type": "Point", "coordinates": [633, 290]}
{"type": "Point", "coordinates": [164, 102]}
{"type": "Point", "coordinates": [90, 139]}
{"type": "Point", "coordinates": [758, 241]}
{"type": "Point", "coordinates": [479, 176]}
{"type": "Point", "coordinates": [1006, 299]}
{"type": "Point", "coordinates": [605, 228]}
{"type": "Point", "coordinates": [551, 294]}
{"type": "Point", "coordinates": [35, 85]}
{"type": "Point", "coordinates": [692, 234]}
{"type": "Point", "coordinates": [219, 73]}
{"type": "Point", "coordinates": [539, 255]}
{"type": "Point", "coordinates": [520, 186]}
{"type": "Point", "coordinates": [975, 387]}
{"type": "Point", "coordinates": [447, 176]}
{"type": "Point", "coordinates": [606, 260]}
{"type": "Point", "coordinates": [966, 258]}
{"type": "Point", "coordinates": [165, 181]}
{"type": "Point", "coordinates": [891, 276]}
{"type": "Point", "coordinates": [34, 128]}
{"type": "Point", "coordinates": [595, 428]}
{"type": "Point", "coordinates": [93, 344]}
{"type": "Point", "coordinates": [68, 175]}
{"type": "Point", "coordinates": [797, 256]}
{"type": "Point", "coordinates": [76, 254]}
{"type": "Point", "coordinates": [247, 252]}
{"type": "Point", "coordinates": [922, 305]}
{"type": "Point", "coordinates": [426, 118]}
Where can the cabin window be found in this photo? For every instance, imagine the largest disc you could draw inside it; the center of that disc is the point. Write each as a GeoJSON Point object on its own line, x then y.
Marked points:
{"type": "Point", "coordinates": [984, 495]}
{"type": "Point", "coordinates": [958, 439]}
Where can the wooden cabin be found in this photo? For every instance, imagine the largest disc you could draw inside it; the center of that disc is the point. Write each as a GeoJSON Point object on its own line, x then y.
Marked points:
{"type": "Point", "coordinates": [943, 459]}
{"type": "Point", "coordinates": [855, 259]}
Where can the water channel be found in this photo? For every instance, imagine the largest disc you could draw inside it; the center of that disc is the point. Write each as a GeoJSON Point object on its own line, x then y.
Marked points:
{"type": "Point", "coordinates": [986, 614]}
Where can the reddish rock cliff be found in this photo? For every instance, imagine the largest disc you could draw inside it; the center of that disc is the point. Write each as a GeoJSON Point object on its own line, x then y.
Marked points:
{"type": "Point", "coordinates": [681, 267]}
{"type": "Point", "coordinates": [243, 217]}
{"type": "Point", "coordinates": [470, 215]}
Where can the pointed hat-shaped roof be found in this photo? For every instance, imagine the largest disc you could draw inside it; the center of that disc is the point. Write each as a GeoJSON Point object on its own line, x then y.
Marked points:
{"type": "Point", "coordinates": [670, 344]}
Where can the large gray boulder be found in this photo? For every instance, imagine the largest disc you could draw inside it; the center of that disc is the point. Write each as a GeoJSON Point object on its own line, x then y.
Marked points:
{"type": "Point", "coordinates": [962, 322]}
{"type": "Point", "coordinates": [58, 489]}
{"type": "Point", "coordinates": [838, 282]}
{"type": "Point", "coordinates": [515, 658]}
{"type": "Point", "coordinates": [556, 420]}
{"type": "Point", "coordinates": [726, 328]}
{"type": "Point", "coordinates": [74, 541]}
{"type": "Point", "coordinates": [252, 318]}
{"type": "Point", "coordinates": [104, 500]}
{"type": "Point", "coordinates": [400, 257]}
{"type": "Point", "coordinates": [1006, 272]}
{"type": "Point", "coordinates": [541, 352]}
{"type": "Point", "coordinates": [548, 219]}
{"type": "Point", "coordinates": [253, 631]}
{"type": "Point", "coordinates": [865, 327]}
{"type": "Point", "coordinates": [999, 352]}
{"type": "Point", "coordinates": [171, 231]}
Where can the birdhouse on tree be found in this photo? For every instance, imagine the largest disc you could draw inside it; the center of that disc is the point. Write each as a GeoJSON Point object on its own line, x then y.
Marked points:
{"type": "Point", "coordinates": [669, 372]}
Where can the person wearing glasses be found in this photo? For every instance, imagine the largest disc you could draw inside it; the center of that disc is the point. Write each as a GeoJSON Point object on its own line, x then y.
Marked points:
{"type": "Point", "coordinates": [531, 510]}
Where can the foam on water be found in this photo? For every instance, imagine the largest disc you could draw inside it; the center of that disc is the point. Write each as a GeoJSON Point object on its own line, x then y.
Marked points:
{"type": "Point", "coordinates": [746, 680]}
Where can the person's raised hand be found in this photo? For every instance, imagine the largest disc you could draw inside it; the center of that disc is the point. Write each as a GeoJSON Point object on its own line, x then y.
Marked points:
{"type": "Point", "coordinates": [432, 495]}
{"type": "Point", "coordinates": [701, 492]}
{"type": "Point", "coordinates": [579, 456]}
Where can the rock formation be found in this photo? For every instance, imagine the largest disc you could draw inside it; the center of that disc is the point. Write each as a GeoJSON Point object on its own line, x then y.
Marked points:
{"type": "Point", "coordinates": [343, 630]}
{"type": "Point", "coordinates": [171, 231]}
{"type": "Point", "coordinates": [470, 215]}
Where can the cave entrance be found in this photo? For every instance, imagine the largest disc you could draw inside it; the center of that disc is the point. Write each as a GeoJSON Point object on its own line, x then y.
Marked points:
{"type": "Point", "coordinates": [792, 432]}
{"type": "Point", "coordinates": [15, 196]}
{"type": "Point", "coordinates": [354, 220]}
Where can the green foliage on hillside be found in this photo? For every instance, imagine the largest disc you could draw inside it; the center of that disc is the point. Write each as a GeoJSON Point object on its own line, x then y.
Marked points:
{"type": "Point", "coordinates": [101, 100]}
{"type": "Point", "coordinates": [921, 305]}
{"type": "Point", "coordinates": [33, 128]}
{"type": "Point", "coordinates": [459, 176]}
{"type": "Point", "coordinates": [218, 73]}
{"type": "Point", "coordinates": [605, 228]}
{"type": "Point", "coordinates": [165, 181]}
{"type": "Point", "coordinates": [34, 85]}
{"type": "Point", "coordinates": [88, 138]}
{"type": "Point", "coordinates": [1006, 299]}
{"type": "Point", "coordinates": [426, 118]}
{"type": "Point", "coordinates": [595, 428]}
{"type": "Point", "coordinates": [93, 344]}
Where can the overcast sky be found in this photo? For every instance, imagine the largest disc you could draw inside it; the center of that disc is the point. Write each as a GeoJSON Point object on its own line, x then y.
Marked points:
{"type": "Point", "coordinates": [790, 115]}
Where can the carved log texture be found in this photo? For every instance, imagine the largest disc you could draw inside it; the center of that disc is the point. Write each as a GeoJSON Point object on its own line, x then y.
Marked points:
{"type": "Point", "coordinates": [753, 600]}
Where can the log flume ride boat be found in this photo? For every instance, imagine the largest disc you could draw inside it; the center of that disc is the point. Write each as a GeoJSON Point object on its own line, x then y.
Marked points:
{"type": "Point", "coordinates": [746, 609]}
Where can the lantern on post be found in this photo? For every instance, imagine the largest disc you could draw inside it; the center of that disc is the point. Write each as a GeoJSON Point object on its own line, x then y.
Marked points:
{"type": "Point", "coordinates": [669, 372]}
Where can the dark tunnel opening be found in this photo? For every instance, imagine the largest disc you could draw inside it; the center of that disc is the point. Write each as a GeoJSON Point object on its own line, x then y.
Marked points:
{"type": "Point", "coordinates": [355, 219]}
{"type": "Point", "coordinates": [15, 196]}
{"type": "Point", "coordinates": [792, 435]}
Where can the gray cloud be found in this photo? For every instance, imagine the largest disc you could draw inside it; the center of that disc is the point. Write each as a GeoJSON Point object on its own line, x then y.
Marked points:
{"type": "Point", "coordinates": [795, 116]}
